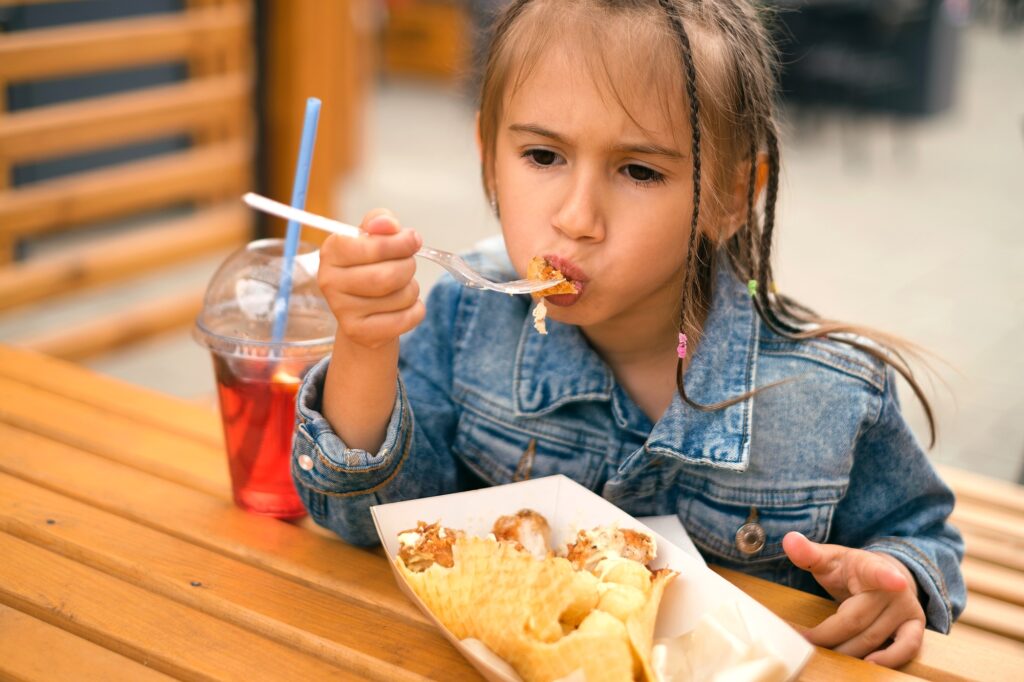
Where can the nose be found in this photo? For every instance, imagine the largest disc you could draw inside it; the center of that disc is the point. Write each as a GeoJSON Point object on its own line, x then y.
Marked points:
{"type": "Point", "coordinates": [580, 215]}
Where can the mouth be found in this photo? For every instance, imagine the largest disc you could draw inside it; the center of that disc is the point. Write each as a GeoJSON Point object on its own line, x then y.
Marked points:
{"type": "Point", "coordinates": [572, 273]}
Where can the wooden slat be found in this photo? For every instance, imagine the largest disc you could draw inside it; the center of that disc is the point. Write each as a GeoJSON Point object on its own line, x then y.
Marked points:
{"type": "Point", "coordinates": [95, 46]}
{"type": "Point", "coordinates": [114, 259]}
{"type": "Point", "coordinates": [942, 658]}
{"type": "Point", "coordinates": [994, 615]}
{"type": "Point", "coordinates": [278, 547]}
{"type": "Point", "coordinates": [995, 581]}
{"type": "Point", "coordinates": [982, 638]}
{"type": "Point", "coordinates": [14, 3]}
{"type": "Point", "coordinates": [984, 490]}
{"type": "Point", "coordinates": [121, 328]}
{"type": "Point", "coordinates": [208, 520]}
{"type": "Point", "coordinates": [34, 651]}
{"type": "Point", "coordinates": [187, 107]}
{"type": "Point", "coordinates": [212, 172]}
{"type": "Point", "coordinates": [105, 393]}
{"type": "Point", "coordinates": [994, 550]}
{"type": "Point", "coordinates": [279, 609]}
{"type": "Point", "coordinates": [129, 442]}
{"type": "Point", "coordinates": [981, 520]}
{"type": "Point", "coordinates": [119, 617]}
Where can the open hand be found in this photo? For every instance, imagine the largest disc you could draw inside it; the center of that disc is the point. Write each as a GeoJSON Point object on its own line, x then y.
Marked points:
{"type": "Point", "coordinates": [879, 617]}
{"type": "Point", "coordinates": [368, 281]}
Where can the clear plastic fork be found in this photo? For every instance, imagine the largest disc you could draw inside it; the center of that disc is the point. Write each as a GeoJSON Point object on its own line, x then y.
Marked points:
{"type": "Point", "coordinates": [451, 262]}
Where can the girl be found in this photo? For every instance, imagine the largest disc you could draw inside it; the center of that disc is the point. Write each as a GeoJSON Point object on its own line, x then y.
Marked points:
{"type": "Point", "coordinates": [632, 143]}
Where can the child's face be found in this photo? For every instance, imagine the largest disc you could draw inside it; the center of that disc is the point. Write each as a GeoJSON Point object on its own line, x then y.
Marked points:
{"type": "Point", "coordinates": [606, 197]}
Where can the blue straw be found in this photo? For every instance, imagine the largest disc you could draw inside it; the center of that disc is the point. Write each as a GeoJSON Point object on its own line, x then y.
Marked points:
{"type": "Point", "coordinates": [291, 244]}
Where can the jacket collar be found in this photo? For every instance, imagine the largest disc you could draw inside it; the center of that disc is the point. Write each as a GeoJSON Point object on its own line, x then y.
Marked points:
{"type": "Point", "coordinates": [560, 368]}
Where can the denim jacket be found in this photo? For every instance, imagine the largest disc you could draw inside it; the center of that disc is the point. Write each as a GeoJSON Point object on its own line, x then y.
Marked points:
{"type": "Point", "coordinates": [483, 399]}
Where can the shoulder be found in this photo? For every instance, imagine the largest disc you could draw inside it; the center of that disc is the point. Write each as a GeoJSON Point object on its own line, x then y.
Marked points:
{"type": "Point", "coordinates": [828, 357]}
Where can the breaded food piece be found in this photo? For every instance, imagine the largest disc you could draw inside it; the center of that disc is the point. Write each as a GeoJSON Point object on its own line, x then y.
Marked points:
{"type": "Point", "coordinates": [539, 268]}
{"type": "Point", "coordinates": [426, 545]}
{"type": "Point", "coordinates": [599, 544]}
{"type": "Point", "coordinates": [527, 529]}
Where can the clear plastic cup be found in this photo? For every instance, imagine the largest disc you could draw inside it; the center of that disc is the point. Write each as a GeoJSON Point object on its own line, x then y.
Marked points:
{"type": "Point", "coordinates": [257, 379]}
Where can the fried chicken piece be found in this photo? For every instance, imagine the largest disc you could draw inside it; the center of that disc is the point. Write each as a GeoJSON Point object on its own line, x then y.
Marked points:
{"type": "Point", "coordinates": [426, 545]}
{"type": "Point", "coordinates": [539, 268]}
{"type": "Point", "coordinates": [527, 529]}
{"type": "Point", "coordinates": [594, 546]}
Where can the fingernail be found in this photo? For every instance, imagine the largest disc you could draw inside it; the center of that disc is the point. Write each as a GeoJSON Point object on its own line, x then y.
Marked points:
{"type": "Point", "coordinates": [381, 219]}
{"type": "Point", "coordinates": [419, 238]}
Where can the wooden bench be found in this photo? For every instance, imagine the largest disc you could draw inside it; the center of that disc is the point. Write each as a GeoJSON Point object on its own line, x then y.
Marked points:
{"type": "Point", "coordinates": [990, 514]}
{"type": "Point", "coordinates": [213, 108]}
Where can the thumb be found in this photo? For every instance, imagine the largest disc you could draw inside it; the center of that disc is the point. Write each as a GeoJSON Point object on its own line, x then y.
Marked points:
{"type": "Point", "coordinates": [381, 221]}
{"type": "Point", "coordinates": [809, 555]}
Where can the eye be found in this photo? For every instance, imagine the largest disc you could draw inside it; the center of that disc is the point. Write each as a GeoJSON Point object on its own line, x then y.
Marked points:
{"type": "Point", "coordinates": [642, 175]}
{"type": "Point", "coordinates": [541, 157]}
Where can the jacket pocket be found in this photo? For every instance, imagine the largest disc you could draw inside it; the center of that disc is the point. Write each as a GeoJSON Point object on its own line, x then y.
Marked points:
{"type": "Point", "coordinates": [499, 451]}
{"type": "Point", "coordinates": [713, 525]}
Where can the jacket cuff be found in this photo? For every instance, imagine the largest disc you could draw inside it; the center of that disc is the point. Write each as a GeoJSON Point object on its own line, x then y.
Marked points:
{"type": "Point", "coordinates": [321, 461]}
{"type": "Point", "coordinates": [931, 583]}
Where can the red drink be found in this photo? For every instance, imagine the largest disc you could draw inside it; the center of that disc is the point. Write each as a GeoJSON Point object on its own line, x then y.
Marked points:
{"type": "Point", "coordinates": [258, 411]}
{"type": "Point", "coordinates": [259, 368]}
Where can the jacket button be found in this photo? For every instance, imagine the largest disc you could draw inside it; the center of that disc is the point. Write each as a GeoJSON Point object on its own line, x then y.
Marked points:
{"type": "Point", "coordinates": [750, 537]}
{"type": "Point", "coordinates": [305, 462]}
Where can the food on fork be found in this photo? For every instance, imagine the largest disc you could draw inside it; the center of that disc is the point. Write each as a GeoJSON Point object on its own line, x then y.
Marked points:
{"type": "Point", "coordinates": [539, 268]}
{"type": "Point", "coordinates": [543, 615]}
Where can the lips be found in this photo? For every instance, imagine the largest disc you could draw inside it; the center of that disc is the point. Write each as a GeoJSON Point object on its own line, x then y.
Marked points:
{"type": "Point", "coordinates": [572, 273]}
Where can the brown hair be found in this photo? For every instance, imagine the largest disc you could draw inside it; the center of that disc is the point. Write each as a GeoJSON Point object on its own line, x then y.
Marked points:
{"type": "Point", "coordinates": [723, 60]}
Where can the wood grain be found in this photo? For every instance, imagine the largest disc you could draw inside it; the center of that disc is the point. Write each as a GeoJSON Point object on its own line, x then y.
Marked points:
{"type": "Point", "coordinates": [211, 172]}
{"type": "Point", "coordinates": [184, 108]}
{"type": "Point", "coordinates": [301, 617]}
{"type": "Point", "coordinates": [34, 651]}
{"type": "Point", "coordinates": [120, 328]}
{"type": "Point", "coordinates": [208, 520]}
{"type": "Point", "coordinates": [116, 615]}
{"type": "Point", "coordinates": [95, 46]}
{"type": "Point", "coordinates": [113, 396]}
{"type": "Point", "coordinates": [124, 256]}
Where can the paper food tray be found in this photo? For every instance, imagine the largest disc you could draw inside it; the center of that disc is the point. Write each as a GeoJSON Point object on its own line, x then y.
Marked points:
{"type": "Point", "coordinates": [569, 507]}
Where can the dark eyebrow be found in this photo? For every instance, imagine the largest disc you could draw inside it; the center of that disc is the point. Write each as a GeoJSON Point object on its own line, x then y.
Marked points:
{"type": "Point", "coordinates": [647, 148]}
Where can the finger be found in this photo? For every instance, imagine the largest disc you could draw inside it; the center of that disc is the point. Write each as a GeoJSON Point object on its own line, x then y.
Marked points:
{"type": "Point", "coordinates": [377, 329]}
{"type": "Point", "coordinates": [385, 243]}
{"type": "Point", "coordinates": [372, 280]}
{"type": "Point", "coordinates": [904, 648]}
{"type": "Point", "coordinates": [341, 251]}
{"type": "Point", "coordinates": [363, 306]}
{"type": "Point", "coordinates": [852, 617]}
{"type": "Point", "coordinates": [812, 556]}
{"type": "Point", "coordinates": [879, 573]}
{"type": "Point", "coordinates": [875, 635]}
{"type": "Point", "coordinates": [380, 221]}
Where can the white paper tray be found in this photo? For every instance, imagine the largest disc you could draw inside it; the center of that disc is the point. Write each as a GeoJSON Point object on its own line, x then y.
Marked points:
{"type": "Point", "coordinates": [569, 507]}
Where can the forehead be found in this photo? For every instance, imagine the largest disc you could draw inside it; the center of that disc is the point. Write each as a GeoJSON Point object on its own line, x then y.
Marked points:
{"type": "Point", "coordinates": [614, 72]}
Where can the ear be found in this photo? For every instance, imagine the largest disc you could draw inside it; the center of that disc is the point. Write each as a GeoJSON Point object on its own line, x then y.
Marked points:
{"type": "Point", "coordinates": [736, 215]}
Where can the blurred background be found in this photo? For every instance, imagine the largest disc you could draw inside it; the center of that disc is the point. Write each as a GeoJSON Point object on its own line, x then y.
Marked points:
{"type": "Point", "coordinates": [129, 127]}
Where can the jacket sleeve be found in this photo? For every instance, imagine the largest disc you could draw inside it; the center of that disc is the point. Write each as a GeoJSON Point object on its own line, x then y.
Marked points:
{"type": "Point", "coordinates": [338, 484]}
{"type": "Point", "coordinates": [897, 504]}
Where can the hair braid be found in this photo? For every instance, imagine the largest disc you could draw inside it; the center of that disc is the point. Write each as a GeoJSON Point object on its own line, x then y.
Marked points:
{"type": "Point", "coordinates": [687, 326]}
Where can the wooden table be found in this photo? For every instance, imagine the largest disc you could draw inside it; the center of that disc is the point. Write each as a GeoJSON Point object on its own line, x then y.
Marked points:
{"type": "Point", "coordinates": [122, 557]}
